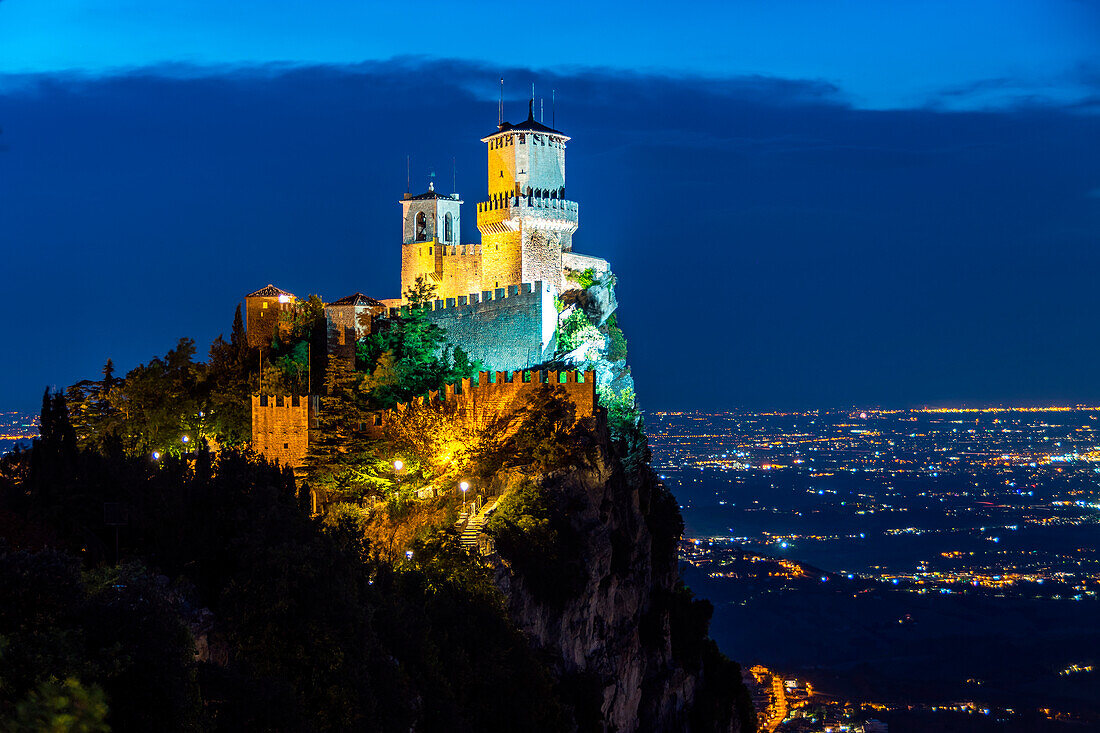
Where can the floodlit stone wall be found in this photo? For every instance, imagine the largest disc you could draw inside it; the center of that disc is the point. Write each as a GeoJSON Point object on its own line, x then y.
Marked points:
{"type": "Point", "coordinates": [495, 394]}
{"type": "Point", "coordinates": [263, 318]}
{"type": "Point", "coordinates": [280, 427]}
{"type": "Point", "coordinates": [501, 259]}
{"type": "Point", "coordinates": [507, 328]}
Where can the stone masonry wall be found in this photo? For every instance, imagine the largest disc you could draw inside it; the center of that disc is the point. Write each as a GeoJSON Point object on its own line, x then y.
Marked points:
{"type": "Point", "coordinates": [500, 260]}
{"type": "Point", "coordinates": [507, 328]}
{"type": "Point", "coordinates": [495, 394]}
{"type": "Point", "coordinates": [262, 318]}
{"type": "Point", "coordinates": [280, 427]}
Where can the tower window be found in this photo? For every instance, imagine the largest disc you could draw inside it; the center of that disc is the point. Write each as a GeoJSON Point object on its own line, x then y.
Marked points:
{"type": "Point", "coordinates": [448, 228]}
{"type": "Point", "coordinates": [421, 226]}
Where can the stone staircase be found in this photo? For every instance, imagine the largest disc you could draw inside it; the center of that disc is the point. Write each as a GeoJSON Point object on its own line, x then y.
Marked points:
{"type": "Point", "coordinates": [474, 524]}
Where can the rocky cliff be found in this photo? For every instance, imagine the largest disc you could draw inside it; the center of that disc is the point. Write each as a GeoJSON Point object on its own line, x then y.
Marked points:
{"type": "Point", "coordinates": [627, 640]}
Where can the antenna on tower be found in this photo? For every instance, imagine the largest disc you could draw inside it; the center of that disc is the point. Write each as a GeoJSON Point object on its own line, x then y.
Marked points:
{"type": "Point", "coordinates": [542, 109]}
{"type": "Point", "coordinates": [554, 108]}
{"type": "Point", "coordinates": [500, 106]}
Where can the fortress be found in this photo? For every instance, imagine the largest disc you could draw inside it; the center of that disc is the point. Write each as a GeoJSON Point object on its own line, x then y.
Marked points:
{"type": "Point", "coordinates": [497, 299]}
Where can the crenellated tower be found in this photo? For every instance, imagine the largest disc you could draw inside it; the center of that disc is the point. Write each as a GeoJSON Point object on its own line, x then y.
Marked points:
{"type": "Point", "coordinates": [430, 231]}
{"type": "Point", "coordinates": [527, 222]}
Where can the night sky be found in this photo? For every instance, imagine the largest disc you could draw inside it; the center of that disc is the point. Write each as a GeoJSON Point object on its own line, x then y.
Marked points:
{"type": "Point", "coordinates": [808, 205]}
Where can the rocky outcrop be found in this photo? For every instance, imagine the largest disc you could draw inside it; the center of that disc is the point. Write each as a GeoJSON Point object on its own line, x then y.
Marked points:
{"type": "Point", "coordinates": [613, 640]}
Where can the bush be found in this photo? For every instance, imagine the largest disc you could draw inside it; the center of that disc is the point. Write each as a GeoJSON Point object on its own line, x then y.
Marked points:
{"type": "Point", "coordinates": [533, 534]}
{"type": "Point", "coordinates": [616, 341]}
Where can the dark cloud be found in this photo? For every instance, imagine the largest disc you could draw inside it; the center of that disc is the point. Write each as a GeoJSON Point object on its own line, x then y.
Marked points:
{"type": "Point", "coordinates": [775, 245]}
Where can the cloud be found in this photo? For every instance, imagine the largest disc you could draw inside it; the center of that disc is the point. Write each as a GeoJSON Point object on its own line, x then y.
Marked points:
{"type": "Point", "coordinates": [770, 223]}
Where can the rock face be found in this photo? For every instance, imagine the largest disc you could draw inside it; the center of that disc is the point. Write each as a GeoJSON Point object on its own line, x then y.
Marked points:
{"type": "Point", "coordinates": [613, 641]}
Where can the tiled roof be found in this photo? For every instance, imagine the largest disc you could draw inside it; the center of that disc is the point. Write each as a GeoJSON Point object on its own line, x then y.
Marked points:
{"type": "Point", "coordinates": [528, 125]}
{"type": "Point", "coordinates": [269, 291]}
{"type": "Point", "coordinates": [358, 299]}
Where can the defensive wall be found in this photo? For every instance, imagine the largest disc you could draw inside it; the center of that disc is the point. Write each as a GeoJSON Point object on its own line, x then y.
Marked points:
{"type": "Point", "coordinates": [280, 427]}
{"type": "Point", "coordinates": [507, 328]}
{"type": "Point", "coordinates": [281, 424]}
{"type": "Point", "coordinates": [494, 394]}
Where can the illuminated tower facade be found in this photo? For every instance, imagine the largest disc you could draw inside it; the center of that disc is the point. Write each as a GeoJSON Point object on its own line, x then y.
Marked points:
{"type": "Point", "coordinates": [527, 222]}
{"type": "Point", "coordinates": [431, 225]}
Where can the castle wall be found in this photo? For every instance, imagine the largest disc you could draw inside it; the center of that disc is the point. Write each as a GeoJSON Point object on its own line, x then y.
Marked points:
{"type": "Point", "coordinates": [461, 270]}
{"type": "Point", "coordinates": [580, 263]}
{"type": "Point", "coordinates": [280, 427]}
{"type": "Point", "coordinates": [346, 325]}
{"type": "Point", "coordinates": [541, 256]}
{"type": "Point", "coordinates": [507, 328]}
{"type": "Point", "coordinates": [419, 259]}
{"type": "Point", "coordinates": [492, 395]}
{"type": "Point", "coordinates": [501, 259]}
{"type": "Point", "coordinates": [262, 319]}
{"type": "Point", "coordinates": [545, 163]}
{"type": "Point", "coordinates": [502, 165]}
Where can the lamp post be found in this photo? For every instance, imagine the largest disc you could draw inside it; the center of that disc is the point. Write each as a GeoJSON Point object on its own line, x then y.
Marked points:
{"type": "Point", "coordinates": [465, 487]}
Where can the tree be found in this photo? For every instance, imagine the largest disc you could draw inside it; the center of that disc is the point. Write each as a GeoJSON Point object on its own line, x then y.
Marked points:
{"type": "Point", "coordinates": [420, 292]}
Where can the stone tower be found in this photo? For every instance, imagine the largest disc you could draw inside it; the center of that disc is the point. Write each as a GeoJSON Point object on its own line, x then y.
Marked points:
{"type": "Point", "coordinates": [430, 225]}
{"type": "Point", "coordinates": [527, 222]}
{"type": "Point", "coordinates": [264, 311]}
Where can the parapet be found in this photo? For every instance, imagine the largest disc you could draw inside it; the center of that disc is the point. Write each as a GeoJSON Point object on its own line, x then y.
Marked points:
{"type": "Point", "coordinates": [474, 299]}
{"type": "Point", "coordinates": [494, 394]}
{"type": "Point", "coordinates": [281, 424]}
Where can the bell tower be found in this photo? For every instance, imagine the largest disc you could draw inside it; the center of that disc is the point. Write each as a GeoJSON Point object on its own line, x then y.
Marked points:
{"type": "Point", "coordinates": [527, 222]}
{"type": "Point", "coordinates": [430, 223]}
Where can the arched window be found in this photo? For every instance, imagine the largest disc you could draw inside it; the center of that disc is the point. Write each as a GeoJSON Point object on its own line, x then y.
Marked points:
{"type": "Point", "coordinates": [448, 228]}
{"type": "Point", "coordinates": [421, 226]}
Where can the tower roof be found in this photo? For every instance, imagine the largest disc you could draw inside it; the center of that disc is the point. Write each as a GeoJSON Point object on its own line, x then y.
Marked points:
{"type": "Point", "coordinates": [269, 291]}
{"type": "Point", "coordinates": [358, 299]}
{"type": "Point", "coordinates": [430, 194]}
{"type": "Point", "coordinates": [528, 125]}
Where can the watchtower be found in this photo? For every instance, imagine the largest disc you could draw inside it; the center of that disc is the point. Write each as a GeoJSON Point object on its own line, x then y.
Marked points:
{"type": "Point", "coordinates": [263, 313]}
{"type": "Point", "coordinates": [527, 222]}
{"type": "Point", "coordinates": [430, 222]}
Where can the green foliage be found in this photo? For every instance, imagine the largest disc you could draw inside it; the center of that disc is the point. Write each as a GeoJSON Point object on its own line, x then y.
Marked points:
{"type": "Point", "coordinates": [409, 359]}
{"type": "Point", "coordinates": [61, 706]}
{"type": "Point", "coordinates": [616, 340]}
{"type": "Point", "coordinates": [305, 320]}
{"type": "Point", "coordinates": [586, 278]}
{"type": "Point", "coordinates": [421, 291]}
{"type": "Point", "coordinates": [84, 651]}
{"type": "Point", "coordinates": [576, 330]}
{"type": "Point", "coordinates": [623, 417]}
{"type": "Point", "coordinates": [321, 634]}
{"type": "Point", "coordinates": [532, 532]}
{"type": "Point", "coordinates": [542, 434]}
{"type": "Point", "coordinates": [157, 403]}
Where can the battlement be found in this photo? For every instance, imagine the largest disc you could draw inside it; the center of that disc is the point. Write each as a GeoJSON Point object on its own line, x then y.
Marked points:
{"type": "Point", "coordinates": [495, 394]}
{"type": "Point", "coordinates": [474, 299]}
{"type": "Point", "coordinates": [580, 263]}
{"type": "Point", "coordinates": [281, 424]}
{"type": "Point", "coordinates": [502, 201]}
{"type": "Point", "coordinates": [501, 214]}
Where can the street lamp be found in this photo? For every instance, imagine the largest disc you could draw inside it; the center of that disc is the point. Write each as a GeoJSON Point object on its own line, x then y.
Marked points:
{"type": "Point", "coordinates": [398, 465]}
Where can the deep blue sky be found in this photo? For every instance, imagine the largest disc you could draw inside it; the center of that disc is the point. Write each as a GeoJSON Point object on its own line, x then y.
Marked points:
{"type": "Point", "coordinates": [813, 204]}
